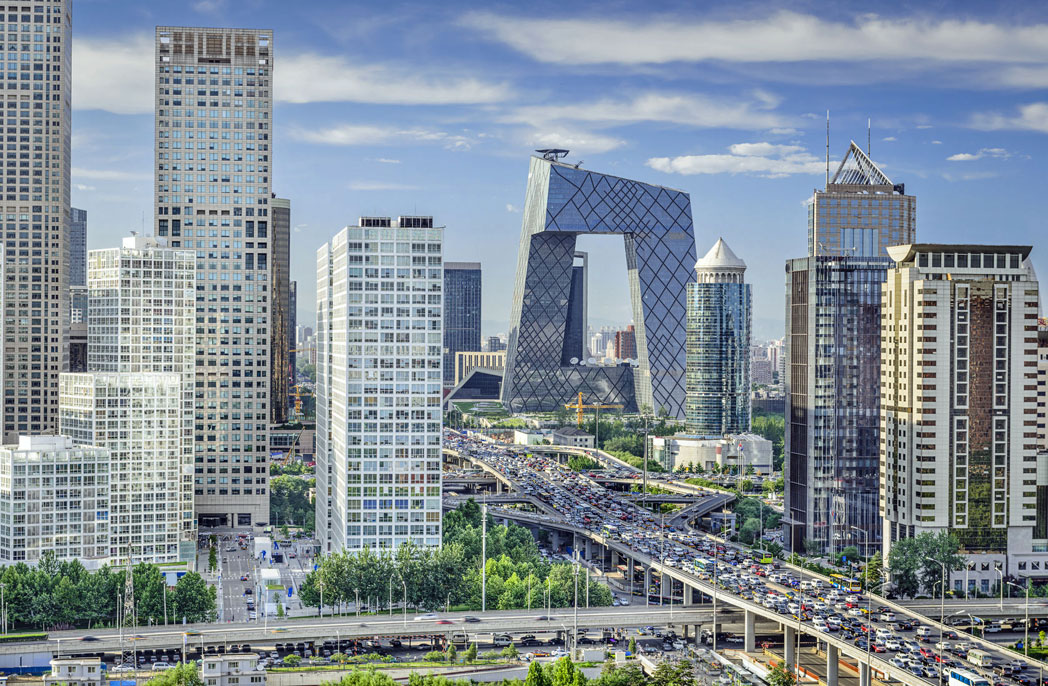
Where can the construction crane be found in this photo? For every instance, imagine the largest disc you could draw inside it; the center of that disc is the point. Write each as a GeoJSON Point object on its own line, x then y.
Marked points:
{"type": "Point", "coordinates": [298, 401]}
{"type": "Point", "coordinates": [578, 406]}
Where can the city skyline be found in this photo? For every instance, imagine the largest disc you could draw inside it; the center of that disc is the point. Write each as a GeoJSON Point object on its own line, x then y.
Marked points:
{"type": "Point", "coordinates": [446, 119]}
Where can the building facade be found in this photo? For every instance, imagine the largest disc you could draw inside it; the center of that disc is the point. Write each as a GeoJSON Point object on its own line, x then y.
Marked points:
{"type": "Point", "coordinates": [832, 356]}
{"type": "Point", "coordinates": [467, 362]}
{"type": "Point", "coordinates": [214, 113]}
{"type": "Point", "coordinates": [718, 345]}
{"type": "Point", "coordinates": [562, 202]}
{"type": "Point", "coordinates": [77, 247]}
{"type": "Point", "coordinates": [741, 453]}
{"type": "Point", "coordinates": [54, 495]}
{"type": "Point", "coordinates": [142, 311]}
{"type": "Point", "coordinates": [35, 204]}
{"type": "Point", "coordinates": [462, 299]}
{"type": "Point", "coordinates": [958, 415]}
{"type": "Point", "coordinates": [292, 328]}
{"type": "Point", "coordinates": [280, 313]}
{"type": "Point", "coordinates": [379, 384]}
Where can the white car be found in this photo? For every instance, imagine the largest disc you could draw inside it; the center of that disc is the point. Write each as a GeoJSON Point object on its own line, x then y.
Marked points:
{"type": "Point", "coordinates": [855, 612]}
{"type": "Point", "coordinates": [426, 617]}
{"type": "Point", "coordinates": [161, 666]}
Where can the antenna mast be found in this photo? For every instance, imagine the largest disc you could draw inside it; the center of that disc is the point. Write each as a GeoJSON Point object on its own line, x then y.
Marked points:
{"type": "Point", "coordinates": [128, 618]}
{"type": "Point", "coordinates": [868, 136]}
{"type": "Point", "coordinates": [827, 148]}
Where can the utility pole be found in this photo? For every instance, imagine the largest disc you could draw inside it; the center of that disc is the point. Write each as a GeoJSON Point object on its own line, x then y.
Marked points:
{"type": "Point", "coordinates": [484, 557]}
{"type": "Point", "coordinates": [128, 618]}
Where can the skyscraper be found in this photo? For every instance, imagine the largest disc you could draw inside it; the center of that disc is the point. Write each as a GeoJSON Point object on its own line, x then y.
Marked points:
{"type": "Point", "coordinates": [292, 332]}
{"type": "Point", "coordinates": [213, 189]}
{"type": "Point", "coordinates": [137, 399]}
{"type": "Point", "coordinates": [718, 346]}
{"type": "Point", "coordinates": [958, 415]}
{"type": "Point", "coordinates": [280, 334]}
{"type": "Point", "coordinates": [578, 306]}
{"type": "Point", "coordinates": [832, 356]}
{"type": "Point", "coordinates": [626, 343]}
{"type": "Point", "coordinates": [36, 208]}
{"type": "Point", "coordinates": [77, 247]}
{"type": "Point", "coordinates": [462, 298]}
{"type": "Point", "coordinates": [379, 384]}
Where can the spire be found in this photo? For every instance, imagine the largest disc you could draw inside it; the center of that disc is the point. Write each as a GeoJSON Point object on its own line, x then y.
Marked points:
{"type": "Point", "coordinates": [720, 264]}
{"type": "Point", "coordinates": [857, 169]}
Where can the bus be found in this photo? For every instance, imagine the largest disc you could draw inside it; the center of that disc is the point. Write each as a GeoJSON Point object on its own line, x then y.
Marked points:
{"type": "Point", "coordinates": [959, 677]}
{"type": "Point", "coordinates": [845, 584]}
{"type": "Point", "coordinates": [980, 658]}
{"type": "Point", "coordinates": [763, 557]}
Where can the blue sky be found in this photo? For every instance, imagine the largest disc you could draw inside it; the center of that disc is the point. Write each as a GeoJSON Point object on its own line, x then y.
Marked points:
{"type": "Point", "coordinates": [433, 108]}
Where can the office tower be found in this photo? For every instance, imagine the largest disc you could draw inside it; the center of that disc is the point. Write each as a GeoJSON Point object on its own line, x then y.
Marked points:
{"type": "Point", "coordinates": [138, 399]}
{"type": "Point", "coordinates": [1042, 385]}
{"type": "Point", "coordinates": [54, 497]}
{"type": "Point", "coordinates": [292, 331]}
{"type": "Point", "coordinates": [718, 345]}
{"type": "Point", "coordinates": [462, 297]}
{"type": "Point", "coordinates": [574, 349]}
{"type": "Point", "coordinates": [655, 224]}
{"type": "Point", "coordinates": [77, 339]}
{"type": "Point", "coordinates": [379, 384]}
{"type": "Point", "coordinates": [280, 320]}
{"type": "Point", "coordinates": [467, 362]}
{"type": "Point", "coordinates": [494, 345]}
{"type": "Point", "coordinates": [832, 355]}
{"type": "Point", "coordinates": [36, 208]}
{"type": "Point", "coordinates": [626, 343]}
{"type": "Point", "coordinates": [959, 367]}
{"type": "Point", "coordinates": [600, 340]}
{"type": "Point", "coordinates": [77, 247]}
{"type": "Point", "coordinates": [213, 124]}
{"type": "Point", "coordinates": [139, 417]}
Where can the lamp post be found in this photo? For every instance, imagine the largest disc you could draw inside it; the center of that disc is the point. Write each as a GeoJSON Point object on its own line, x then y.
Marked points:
{"type": "Point", "coordinates": [405, 600]}
{"type": "Point", "coordinates": [866, 549]}
{"type": "Point", "coordinates": [942, 616]}
{"type": "Point", "coordinates": [1026, 637]}
{"type": "Point", "coordinates": [3, 608]}
{"type": "Point", "coordinates": [391, 594]}
{"type": "Point", "coordinates": [356, 601]}
{"type": "Point", "coordinates": [1001, 574]}
{"type": "Point", "coordinates": [575, 631]}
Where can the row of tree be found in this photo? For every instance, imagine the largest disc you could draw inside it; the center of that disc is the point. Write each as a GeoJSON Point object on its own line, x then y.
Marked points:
{"type": "Point", "coordinates": [290, 502]}
{"type": "Point", "coordinates": [433, 578]}
{"type": "Point", "coordinates": [63, 594]}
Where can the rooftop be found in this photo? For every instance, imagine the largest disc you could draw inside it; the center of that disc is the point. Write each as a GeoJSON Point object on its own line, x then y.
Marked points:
{"type": "Point", "coordinates": [906, 253]}
{"type": "Point", "coordinates": [720, 256]}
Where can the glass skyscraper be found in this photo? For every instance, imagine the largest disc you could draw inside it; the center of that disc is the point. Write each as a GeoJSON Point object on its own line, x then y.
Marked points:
{"type": "Point", "coordinates": [562, 202]}
{"type": "Point", "coordinates": [462, 291]}
{"type": "Point", "coordinates": [718, 346]}
{"type": "Point", "coordinates": [833, 355]}
{"type": "Point", "coordinates": [77, 247]}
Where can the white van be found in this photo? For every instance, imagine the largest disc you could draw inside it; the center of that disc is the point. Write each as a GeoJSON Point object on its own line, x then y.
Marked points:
{"type": "Point", "coordinates": [924, 631]}
{"type": "Point", "coordinates": [501, 640]}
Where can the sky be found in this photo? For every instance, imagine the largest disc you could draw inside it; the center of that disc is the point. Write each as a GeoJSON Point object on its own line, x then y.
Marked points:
{"type": "Point", "coordinates": [434, 108]}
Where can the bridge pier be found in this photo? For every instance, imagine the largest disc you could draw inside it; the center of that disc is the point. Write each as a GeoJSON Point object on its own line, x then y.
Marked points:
{"type": "Point", "coordinates": [748, 636]}
{"type": "Point", "coordinates": [689, 595]}
{"type": "Point", "coordinates": [647, 584]}
{"type": "Point", "coordinates": [589, 549]}
{"type": "Point", "coordinates": [629, 580]}
{"type": "Point", "coordinates": [789, 642]}
{"type": "Point", "coordinates": [864, 674]}
{"type": "Point", "coordinates": [833, 660]}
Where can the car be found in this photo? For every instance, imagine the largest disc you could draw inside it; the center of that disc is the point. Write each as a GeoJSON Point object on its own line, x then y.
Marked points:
{"type": "Point", "coordinates": [161, 666]}
{"type": "Point", "coordinates": [426, 617]}
{"type": "Point", "coordinates": [444, 621]}
{"type": "Point", "coordinates": [424, 647]}
{"type": "Point", "coordinates": [243, 577]}
{"type": "Point", "coordinates": [471, 620]}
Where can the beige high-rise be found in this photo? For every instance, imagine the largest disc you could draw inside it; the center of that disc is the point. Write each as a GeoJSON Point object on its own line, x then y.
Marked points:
{"type": "Point", "coordinates": [213, 190]}
{"type": "Point", "coordinates": [34, 211]}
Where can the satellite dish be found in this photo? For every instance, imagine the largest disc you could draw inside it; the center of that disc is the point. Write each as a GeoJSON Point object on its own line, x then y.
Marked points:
{"type": "Point", "coordinates": [574, 360]}
{"type": "Point", "coordinates": [592, 360]}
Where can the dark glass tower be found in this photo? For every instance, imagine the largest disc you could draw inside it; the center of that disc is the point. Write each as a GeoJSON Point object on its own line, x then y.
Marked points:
{"type": "Point", "coordinates": [462, 296]}
{"type": "Point", "coordinates": [77, 247]}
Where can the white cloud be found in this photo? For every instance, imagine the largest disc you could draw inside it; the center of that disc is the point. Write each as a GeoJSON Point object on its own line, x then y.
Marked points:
{"type": "Point", "coordinates": [762, 159]}
{"type": "Point", "coordinates": [386, 160]}
{"type": "Point", "coordinates": [1031, 117]}
{"type": "Point", "coordinates": [115, 75]}
{"type": "Point", "coordinates": [889, 139]}
{"type": "Point", "coordinates": [320, 78]}
{"type": "Point", "coordinates": [997, 153]}
{"type": "Point", "coordinates": [783, 37]}
{"type": "Point", "coordinates": [108, 174]}
{"type": "Point", "coordinates": [299, 228]}
{"type": "Point", "coordinates": [936, 142]}
{"type": "Point", "coordinates": [512, 208]}
{"type": "Point", "coordinates": [83, 187]}
{"type": "Point", "coordinates": [578, 141]}
{"type": "Point", "coordinates": [672, 108]}
{"type": "Point", "coordinates": [364, 134]}
{"type": "Point", "coordinates": [378, 186]}
{"type": "Point", "coordinates": [209, 6]}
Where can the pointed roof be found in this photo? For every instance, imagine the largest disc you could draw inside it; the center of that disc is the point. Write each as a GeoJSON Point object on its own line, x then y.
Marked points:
{"type": "Point", "coordinates": [857, 169]}
{"type": "Point", "coordinates": [720, 257]}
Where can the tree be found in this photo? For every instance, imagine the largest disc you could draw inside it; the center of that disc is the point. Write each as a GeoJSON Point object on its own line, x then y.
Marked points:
{"type": "Point", "coordinates": [904, 562]}
{"type": "Point", "coordinates": [848, 554]}
{"type": "Point", "coordinates": [632, 646]}
{"type": "Point", "coordinates": [510, 652]}
{"type": "Point", "coordinates": [212, 559]}
{"type": "Point", "coordinates": [340, 658]}
{"type": "Point", "coordinates": [938, 548]}
{"type": "Point", "coordinates": [280, 609]}
{"type": "Point", "coordinates": [452, 654]}
{"type": "Point", "coordinates": [781, 675]}
{"type": "Point", "coordinates": [192, 599]}
{"type": "Point", "coordinates": [873, 574]}
{"type": "Point", "coordinates": [471, 653]}
{"type": "Point", "coordinates": [535, 677]}
{"type": "Point", "coordinates": [291, 660]}
{"type": "Point", "coordinates": [564, 673]}
{"type": "Point", "coordinates": [182, 674]}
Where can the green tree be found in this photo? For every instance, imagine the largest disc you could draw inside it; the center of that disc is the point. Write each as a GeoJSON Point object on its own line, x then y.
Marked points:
{"type": "Point", "coordinates": [848, 553]}
{"type": "Point", "coordinates": [781, 675]}
{"type": "Point", "coordinates": [192, 599]}
{"type": "Point", "coordinates": [934, 549]}
{"type": "Point", "coordinates": [873, 574]}
{"type": "Point", "coordinates": [510, 652]}
{"type": "Point", "coordinates": [182, 674]}
{"type": "Point", "coordinates": [625, 675]}
{"type": "Point", "coordinates": [212, 559]}
{"type": "Point", "coordinates": [471, 653]}
{"type": "Point", "coordinates": [564, 673]}
{"type": "Point", "coordinates": [290, 660]}
{"type": "Point", "coordinates": [536, 676]}
{"type": "Point", "coordinates": [452, 654]}
{"type": "Point", "coordinates": [632, 646]}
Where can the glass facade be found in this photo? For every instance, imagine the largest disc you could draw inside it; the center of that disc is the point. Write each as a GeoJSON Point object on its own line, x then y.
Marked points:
{"type": "Point", "coordinates": [77, 247]}
{"type": "Point", "coordinates": [563, 201]}
{"type": "Point", "coordinates": [462, 298]}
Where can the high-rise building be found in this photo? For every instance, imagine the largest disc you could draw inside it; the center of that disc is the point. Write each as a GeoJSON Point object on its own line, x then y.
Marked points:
{"type": "Point", "coordinates": [280, 320]}
{"type": "Point", "coordinates": [379, 385]}
{"type": "Point", "coordinates": [494, 344]}
{"type": "Point", "coordinates": [832, 355]}
{"type": "Point", "coordinates": [1042, 385]}
{"type": "Point", "coordinates": [626, 343]}
{"type": "Point", "coordinates": [958, 411]}
{"type": "Point", "coordinates": [54, 496]}
{"type": "Point", "coordinates": [292, 334]}
{"type": "Point", "coordinates": [467, 362]}
{"type": "Point", "coordinates": [574, 349]}
{"type": "Point", "coordinates": [77, 247]}
{"type": "Point", "coordinates": [718, 346]}
{"type": "Point", "coordinates": [225, 146]}
{"type": "Point", "coordinates": [36, 207]}
{"type": "Point", "coordinates": [564, 201]}
{"type": "Point", "coordinates": [462, 297]}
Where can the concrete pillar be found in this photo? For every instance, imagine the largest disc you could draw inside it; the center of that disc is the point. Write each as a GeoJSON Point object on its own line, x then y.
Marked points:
{"type": "Point", "coordinates": [789, 638]}
{"type": "Point", "coordinates": [748, 636]}
{"type": "Point", "coordinates": [689, 596]}
{"type": "Point", "coordinates": [614, 559]}
{"type": "Point", "coordinates": [833, 660]}
{"type": "Point", "coordinates": [629, 578]}
{"type": "Point", "coordinates": [864, 674]}
{"type": "Point", "coordinates": [647, 583]}
{"type": "Point", "coordinates": [589, 549]}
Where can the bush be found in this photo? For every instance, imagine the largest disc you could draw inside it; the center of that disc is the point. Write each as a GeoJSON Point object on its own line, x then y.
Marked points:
{"type": "Point", "coordinates": [434, 656]}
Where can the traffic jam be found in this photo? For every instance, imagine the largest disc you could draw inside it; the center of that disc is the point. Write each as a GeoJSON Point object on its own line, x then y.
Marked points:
{"type": "Point", "coordinates": [834, 607]}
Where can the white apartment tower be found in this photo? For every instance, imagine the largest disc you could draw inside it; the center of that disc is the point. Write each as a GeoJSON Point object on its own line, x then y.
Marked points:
{"type": "Point", "coordinates": [54, 496]}
{"type": "Point", "coordinates": [142, 302]}
{"type": "Point", "coordinates": [958, 449]}
{"type": "Point", "coordinates": [213, 187]}
{"type": "Point", "coordinates": [379, 378]}
{"type": "Point", "coordinates": [34, 211]}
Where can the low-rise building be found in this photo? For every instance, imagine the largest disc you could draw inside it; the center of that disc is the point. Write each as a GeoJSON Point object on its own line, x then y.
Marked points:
{"type": "Point", "coordinates": [527, 437]}
{"type": "Point", "coordinates": [232, 670]}
{"type": "Point", "coordinates": [465, 362]}
{"type": "Point", "coordinates": [709, 453]}
{"type": "Point", "coordinates": [87, 671]}
{"type": "Point", "coordinates": [570, 435]}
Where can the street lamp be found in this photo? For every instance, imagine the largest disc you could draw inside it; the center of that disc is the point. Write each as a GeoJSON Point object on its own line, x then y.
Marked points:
{"type": "Point", "coordinates": [1026, 637]}
{"type": "Point", "coordinates": [356, 601]}
{"type": "Point", "coordinates": [1001, 574]}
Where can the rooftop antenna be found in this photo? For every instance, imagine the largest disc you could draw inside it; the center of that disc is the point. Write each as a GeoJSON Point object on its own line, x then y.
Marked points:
{"type": "Point", "coordinates": [553, 154]}
{"type": "Point", "coordinates": [827, 147]}
{"type": "Point", "coordinates": [868, 136]}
